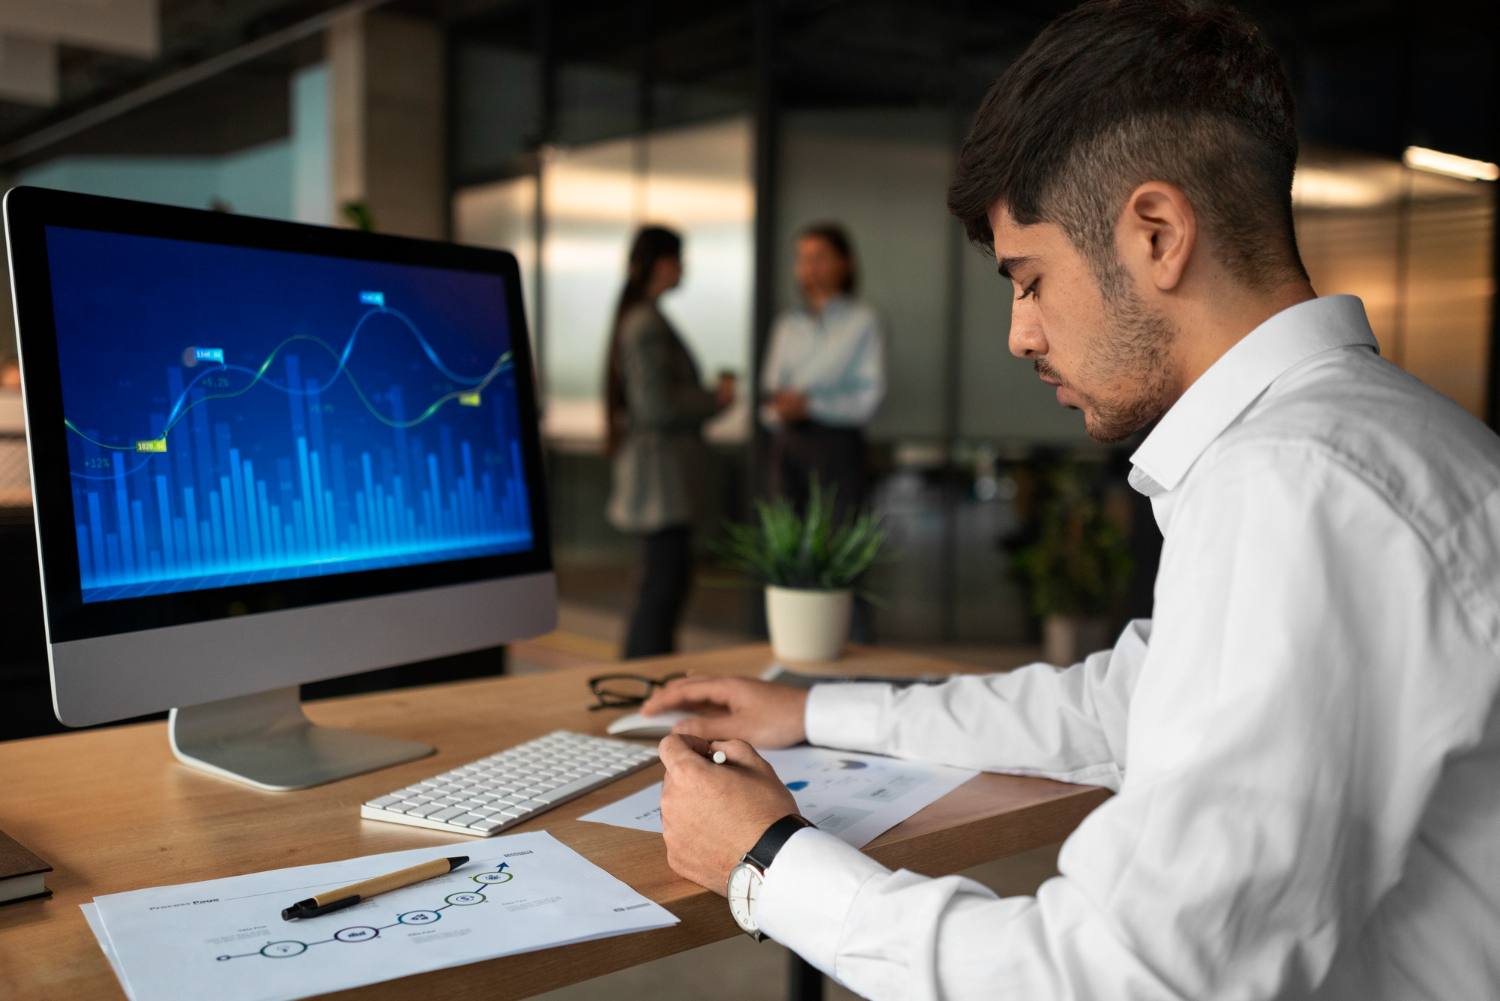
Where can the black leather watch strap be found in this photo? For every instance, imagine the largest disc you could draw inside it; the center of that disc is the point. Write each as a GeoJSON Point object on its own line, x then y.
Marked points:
{"type": "Point", "coordinates": [764, 852]}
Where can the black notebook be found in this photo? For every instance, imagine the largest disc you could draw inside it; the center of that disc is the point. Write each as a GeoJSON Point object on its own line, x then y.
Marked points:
{"type": "Point", "coordinates": [22, 874]}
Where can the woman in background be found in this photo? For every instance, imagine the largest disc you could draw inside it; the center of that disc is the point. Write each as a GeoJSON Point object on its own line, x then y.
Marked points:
{"type": "Point", "coordinates": [655, 405]}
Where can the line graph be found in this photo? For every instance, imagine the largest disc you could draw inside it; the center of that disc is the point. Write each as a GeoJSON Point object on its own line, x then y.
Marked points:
{"type": "Point", "coordinates": [218, 436]}
{"type": "Point", "coordinates": [258, 376]}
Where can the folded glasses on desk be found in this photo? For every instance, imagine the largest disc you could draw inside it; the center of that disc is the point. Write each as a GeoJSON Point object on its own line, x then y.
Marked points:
{"type": "Point", "coordinates": [621, 691]}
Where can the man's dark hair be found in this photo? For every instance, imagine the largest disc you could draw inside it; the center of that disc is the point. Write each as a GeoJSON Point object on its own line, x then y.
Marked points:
{"type": "Point", "coordinates": [1116, 93]}
{"type": "Point", "coordinates": [837, 238]}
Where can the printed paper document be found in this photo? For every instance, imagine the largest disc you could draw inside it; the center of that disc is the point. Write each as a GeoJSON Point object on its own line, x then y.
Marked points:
{"type": "Point", "coordinates": [855, 797]}
{"type": "Point", "coordinates": [225, 938]}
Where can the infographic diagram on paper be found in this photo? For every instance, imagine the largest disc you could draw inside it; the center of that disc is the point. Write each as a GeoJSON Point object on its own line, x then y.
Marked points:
{"type": "Point", "coordinates": [354, 934]}
{"type": "Point", "coordinates": [225, 939]}
{"type": "Point", "coordinates": [856, 797]}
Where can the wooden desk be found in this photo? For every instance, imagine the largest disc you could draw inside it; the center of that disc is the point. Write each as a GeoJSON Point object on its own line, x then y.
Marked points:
{"type": "Point", "coordinates": [113, 811]}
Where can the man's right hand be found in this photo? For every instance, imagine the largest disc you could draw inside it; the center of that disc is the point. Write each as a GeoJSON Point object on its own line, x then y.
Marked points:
{"type": "Point", "coordinates": [790, 405]}
{"type": "Point", "coordinates": [763, 714]}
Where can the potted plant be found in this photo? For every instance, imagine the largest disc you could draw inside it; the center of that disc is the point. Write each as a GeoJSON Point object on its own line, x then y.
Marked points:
{"type": "Point", "coordinates": [1077, 564]}
{"type": "Point", "coordinates": [810, 568]}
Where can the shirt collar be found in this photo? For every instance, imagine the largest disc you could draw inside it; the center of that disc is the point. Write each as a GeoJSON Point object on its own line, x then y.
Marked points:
{"type": "Point", "coordinates": [835, 307]}
{"type": "Point", "coordinates": [1233, 382]}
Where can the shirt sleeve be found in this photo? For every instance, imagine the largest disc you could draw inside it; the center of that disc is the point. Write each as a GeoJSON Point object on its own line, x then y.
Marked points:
{"type": "Point", "coordinates": [1066, 724]}
{"type": "Point", "coordinates": [770, 373]}
{"type": "Point", "coordinates": [851, 399]}
{"type": "Point", "coordinates": [1280, 757]}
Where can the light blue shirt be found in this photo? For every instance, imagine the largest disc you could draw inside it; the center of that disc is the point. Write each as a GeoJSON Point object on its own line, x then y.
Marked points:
{"type": "Point", "coordinates": [836, 359]}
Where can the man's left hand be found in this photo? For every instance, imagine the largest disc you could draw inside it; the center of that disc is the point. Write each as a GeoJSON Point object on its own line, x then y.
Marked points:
{"type": "Point", "coordinates": [712, 814]}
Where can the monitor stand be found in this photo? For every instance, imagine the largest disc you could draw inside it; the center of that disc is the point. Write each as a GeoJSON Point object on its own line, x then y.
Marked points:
{"type": "Point", "coordinates": [264, 740]}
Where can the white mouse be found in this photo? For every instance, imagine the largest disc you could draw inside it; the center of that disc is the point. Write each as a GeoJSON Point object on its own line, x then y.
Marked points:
{"type": "Point", "coordinates": [636, 725]}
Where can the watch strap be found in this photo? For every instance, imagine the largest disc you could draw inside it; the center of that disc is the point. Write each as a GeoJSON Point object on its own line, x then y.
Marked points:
{"type": "Point", "coordinates": [764, 852]}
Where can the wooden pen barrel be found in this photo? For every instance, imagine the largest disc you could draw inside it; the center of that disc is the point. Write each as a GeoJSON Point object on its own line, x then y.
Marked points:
{"type": "Point", "coordinates": [388, 882]}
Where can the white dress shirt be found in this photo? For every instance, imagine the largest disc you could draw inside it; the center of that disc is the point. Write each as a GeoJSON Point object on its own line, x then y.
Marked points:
{"type": "Point", "coordinates": [1303, 741]}
{"type": "Point", "coordinates": [836, 359]}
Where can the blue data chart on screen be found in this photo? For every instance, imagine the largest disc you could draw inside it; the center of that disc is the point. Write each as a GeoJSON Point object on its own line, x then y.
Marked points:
{"type": "Point", "coordinates": [239, 415]}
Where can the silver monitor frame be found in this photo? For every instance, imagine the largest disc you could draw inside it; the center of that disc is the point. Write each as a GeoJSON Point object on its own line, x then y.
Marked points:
{"type": "Point", "coordinates": [230, 679]}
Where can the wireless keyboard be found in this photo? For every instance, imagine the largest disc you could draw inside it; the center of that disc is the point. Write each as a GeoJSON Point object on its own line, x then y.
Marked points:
{"type": "Point", "coordinates": [487, 796]}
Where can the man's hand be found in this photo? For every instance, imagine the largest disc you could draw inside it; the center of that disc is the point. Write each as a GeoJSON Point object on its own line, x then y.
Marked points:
{"type": "Point", "coordinates": [790, 405]}
{"type": "Point", "coordinates": [713, 814]}
{"type": "Point", "coordinates": [764, 714]}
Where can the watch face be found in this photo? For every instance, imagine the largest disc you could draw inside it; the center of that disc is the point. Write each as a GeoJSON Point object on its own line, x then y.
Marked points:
{"type": "Point", "coordinates": [744, 887]}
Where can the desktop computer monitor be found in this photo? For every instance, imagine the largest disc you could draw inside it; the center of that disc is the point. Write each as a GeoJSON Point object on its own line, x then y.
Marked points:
{"type": "Point", "coordinates": [263, 454]}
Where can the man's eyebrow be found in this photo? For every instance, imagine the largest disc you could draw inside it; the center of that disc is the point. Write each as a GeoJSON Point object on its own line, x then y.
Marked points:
{"type": "Point", "coordinates": [1009, 264]}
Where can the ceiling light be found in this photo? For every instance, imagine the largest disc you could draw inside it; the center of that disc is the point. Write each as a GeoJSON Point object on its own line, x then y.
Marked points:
{"type": "Point", "coordinates": [1330, 188]}
{"type": "Point", "coordinates": [1431, 160]}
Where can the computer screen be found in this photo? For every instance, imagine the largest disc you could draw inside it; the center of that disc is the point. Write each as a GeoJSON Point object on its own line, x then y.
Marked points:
{"type": "Point", "coordinates": [238, 415]}
{"type": "Point", "coordinates": [265, 453]}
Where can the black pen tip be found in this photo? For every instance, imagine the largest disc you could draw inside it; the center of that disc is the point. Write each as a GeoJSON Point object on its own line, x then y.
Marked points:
{"type": "Point", "coordinates": [454, 863]}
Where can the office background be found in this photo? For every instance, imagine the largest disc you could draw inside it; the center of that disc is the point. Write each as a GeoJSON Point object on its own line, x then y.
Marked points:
{"type": "Point", "coordinates": [554, 127]}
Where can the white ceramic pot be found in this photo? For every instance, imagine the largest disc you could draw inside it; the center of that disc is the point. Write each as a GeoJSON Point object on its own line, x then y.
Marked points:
{"type": "Point", "coordinates": [1067, 639]}
{"type": "Point", "coordinates": [808, 625]}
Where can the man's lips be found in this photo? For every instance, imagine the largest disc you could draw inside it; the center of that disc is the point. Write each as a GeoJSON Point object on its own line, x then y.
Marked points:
{"type": "Point", "coordinates": [1047, 373]}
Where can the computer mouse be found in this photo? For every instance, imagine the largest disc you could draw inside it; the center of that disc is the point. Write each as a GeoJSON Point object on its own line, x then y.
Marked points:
{"type": "Point", "coordinates": [636, 725]}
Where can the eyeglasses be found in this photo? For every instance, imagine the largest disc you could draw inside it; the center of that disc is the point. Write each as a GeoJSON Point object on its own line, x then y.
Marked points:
{"type": "Point", "coordinates": [617, 691]}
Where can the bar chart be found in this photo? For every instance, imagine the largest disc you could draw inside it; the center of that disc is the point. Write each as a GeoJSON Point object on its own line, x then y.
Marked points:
{"type": "Point", "coordinates": [258, 460]}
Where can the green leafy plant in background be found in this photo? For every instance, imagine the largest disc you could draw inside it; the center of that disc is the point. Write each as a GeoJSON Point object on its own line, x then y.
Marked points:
{"type": "Point", "coordinates": [808, 551]}
{"type": "Point", "coordinates": [1079, 561]}
{"type": "Point", "coordinates": [358, 215]}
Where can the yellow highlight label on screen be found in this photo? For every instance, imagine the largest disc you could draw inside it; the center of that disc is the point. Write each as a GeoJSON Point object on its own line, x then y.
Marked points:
{"type": "Point", "coordinates": [468, 400]}
{"type": "Point", "coordinates": [153, 445]}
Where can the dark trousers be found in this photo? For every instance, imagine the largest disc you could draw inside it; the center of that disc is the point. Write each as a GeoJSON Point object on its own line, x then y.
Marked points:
{"type": "Point", "coordinates": [835, 457]}
{"type": "Point", "coordinates": [666, 578]}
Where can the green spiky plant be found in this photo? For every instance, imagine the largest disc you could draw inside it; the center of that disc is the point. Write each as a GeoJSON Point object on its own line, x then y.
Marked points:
{"type": "Point", "coordinates": [808, 551]}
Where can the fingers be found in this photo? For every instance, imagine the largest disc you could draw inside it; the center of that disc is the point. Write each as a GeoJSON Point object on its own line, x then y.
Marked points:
{"type": "Point", "coordinates": [688, 691]}
{"type": "Point", "coordinates": [680, 752]}
{"type": "Point", "coordinates": [710, 727]}
{"type": "Point", "coordinates": [740, 753]}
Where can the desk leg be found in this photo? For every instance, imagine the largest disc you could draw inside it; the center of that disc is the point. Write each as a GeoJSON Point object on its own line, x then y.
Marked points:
{"type": "Point", "coordinates": [804, 981]}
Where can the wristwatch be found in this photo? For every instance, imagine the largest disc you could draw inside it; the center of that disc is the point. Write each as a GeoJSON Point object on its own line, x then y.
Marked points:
{"type": "Point", "coordinates": [745, 879]}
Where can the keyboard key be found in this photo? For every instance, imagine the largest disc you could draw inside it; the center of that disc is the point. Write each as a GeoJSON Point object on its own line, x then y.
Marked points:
{"type": "Point", "coordinates": [563, 792]}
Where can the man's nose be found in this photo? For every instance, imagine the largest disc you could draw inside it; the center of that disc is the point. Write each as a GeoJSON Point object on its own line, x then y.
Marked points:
{"type": "Point", "coordinates": [1026, 338]}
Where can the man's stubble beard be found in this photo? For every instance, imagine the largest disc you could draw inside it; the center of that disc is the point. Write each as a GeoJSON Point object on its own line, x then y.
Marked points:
{"type": "Point", "coordinates": [1137, 353]}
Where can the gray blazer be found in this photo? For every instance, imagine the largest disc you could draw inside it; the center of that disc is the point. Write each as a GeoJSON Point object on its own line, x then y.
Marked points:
{"type": "Point", "coordinates": [665, 406]}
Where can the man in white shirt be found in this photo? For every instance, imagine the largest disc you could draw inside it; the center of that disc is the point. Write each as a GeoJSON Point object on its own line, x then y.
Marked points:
{"type": "Point", "coordinates": [1303, 742]}
{"type": "Point", "coordinates": [823, 376]}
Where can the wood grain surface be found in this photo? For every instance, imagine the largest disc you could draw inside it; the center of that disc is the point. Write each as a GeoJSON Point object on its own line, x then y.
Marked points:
{"type": "Point", "coordinates": [111, 810]}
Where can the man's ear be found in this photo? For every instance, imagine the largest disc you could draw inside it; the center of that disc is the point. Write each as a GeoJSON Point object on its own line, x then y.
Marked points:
{"type": "Point", "coordinates": [1157, 233]}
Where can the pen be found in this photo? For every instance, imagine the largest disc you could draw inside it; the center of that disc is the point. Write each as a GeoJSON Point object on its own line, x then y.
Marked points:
{"type": "Point", "coordinates": [348, 896]}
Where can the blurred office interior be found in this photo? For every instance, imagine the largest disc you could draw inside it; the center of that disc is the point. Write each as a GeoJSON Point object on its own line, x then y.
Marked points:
{"type": "Point", "coordinates": [553, 128]}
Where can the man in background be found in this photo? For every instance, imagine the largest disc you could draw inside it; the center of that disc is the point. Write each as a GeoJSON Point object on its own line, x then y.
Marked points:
{"type": "Point", "coordinates": [823, 377]}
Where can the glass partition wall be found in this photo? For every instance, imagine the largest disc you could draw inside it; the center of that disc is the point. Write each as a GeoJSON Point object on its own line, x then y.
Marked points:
{"type": "Point", "coordinates": [576, 122]}
{"type": "Point", "coordinates": [555, 127]}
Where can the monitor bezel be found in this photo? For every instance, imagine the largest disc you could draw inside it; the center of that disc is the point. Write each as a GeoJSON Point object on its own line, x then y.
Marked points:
{"type": "Point", "coordinates": [28, 211]}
